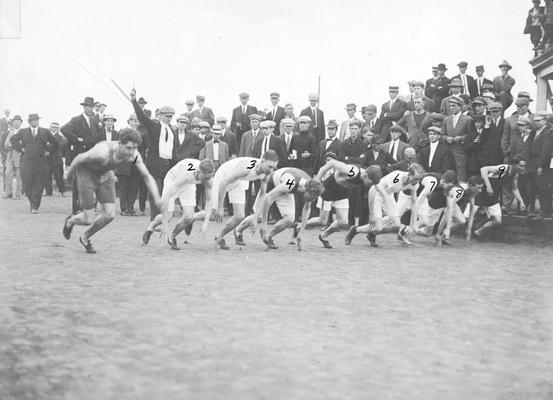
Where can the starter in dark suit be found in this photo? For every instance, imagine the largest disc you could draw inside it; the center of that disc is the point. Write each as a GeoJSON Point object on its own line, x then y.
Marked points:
{"type": "Point", "coordinates": [401, 146]}
{"type": "Point", "coordinates": [462, 130]}
{"type": "Point", "coordinates": [248, 142]}
{"type": "Point", "coordinates": [441, 161]}
{"type": "Point", "coordinates": [55, 165]}
{"type": "Point", "coordinates": [34, 164]}
{"type": "Point", "coordinates": [317, 127]}
{"type": "Point", "coordinates": [240, 121]}
{"type": "Point", "coordinates": [223, 153]}
{"type": "Point", "coordinates": [275, 143]}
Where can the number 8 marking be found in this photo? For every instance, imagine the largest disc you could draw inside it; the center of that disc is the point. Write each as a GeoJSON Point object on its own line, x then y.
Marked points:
{"type": "Point", "coordinates": [459, 193]}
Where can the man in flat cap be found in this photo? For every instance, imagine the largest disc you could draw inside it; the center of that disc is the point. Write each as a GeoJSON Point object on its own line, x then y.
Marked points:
{"type": "Point", "coordinates": [82, 132]}
{"type": "Point", "coordinates": [276, 113]}
{"type": "Point", "coordinates": [250, 137]}
{"type": "Point", "coordinates": [269, 142]}
{"type": "Point", "coordinates": [228, 137]}
{"type": "Point", "coordinates": [35, 144]}
{"type": "Point", "coordinates": [317, 117]}
{"type": "Point", "coordinates": [202, 112]}
{"type": "Point", "coordinates": [187, 143]}
{"type": "Point", "coordinates": [391, 111]}
{"type": "Point", "coordinates": [344, 128]}
{"type": "Point", "coordinates": [494, 128]}
{"type": "Point", "coordinates": [55, 162]}
{"type": "Point", "coordinates": [240, 121]}
{"type": "Point", "coordinates": [415, 122]}
{"type": "Point", "coordinates": [418, 91]}
{"type": "Point", "coordinates": [503, 84]}
{"type": "Point", "coordinates": [539, 164]}
{"type": "Point", "coordinates": [510, 130]}
{"type": "Point", "coordinates": [480, 80]}
{"type": "Point", "coordinates": [455, 88]}
{"type": "Point", "coordinates": [455, 128]}
{"type": "Point", "coordinates": [469, 83]}
{"type": "Point", "coordinates": [160, 148]}
{"type": "Point", "coordinates": [479, 106]}
{"type": "Point", "coordinates": [189, 109]}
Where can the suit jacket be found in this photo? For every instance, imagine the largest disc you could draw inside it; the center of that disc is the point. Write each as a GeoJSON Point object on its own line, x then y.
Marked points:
{"type": "Point", "coordinates": [240, 123]}
{"type": "Point", "coordinates": [441, 91]}
{"type": "Point", "coordinates": [471, 83]}
{"type": "Point", "coordinates": [441, 162]}
{"type": "Point", "coordinates": [80, 135]}
{"type": "Point", "coordinates": [510, 129]}
{"type": "Point", "coordinates": [230, 139]}
{"type": "Point", "coordinates": [189, 148]}
{"type": "Point", "coordinates": [400, 149]}
{"type": "Point", "coordinates": [3, 125]}
{"type": "Point", "coordinates": [247, 143]}
{"type": "Point", "coordinates": [318, 132]}
{"type": "Point", "coordinates": [503, 86]}
{"type": "Point", "coordinates": [383, 159]}
{"type": "Point", "coordinates": [491, 143]}
{"type": "Point", "coordinates": [389, 116]}
{"type": "Point", "coordinates": [34, 148]}
{"type": "Point", "coordinates": [275, 143]}
{"type": "Point", "coordinates": [10, 154]}
{"type": "Point", "coordinates": [205, 115]}
{"type": "Point", "coordinates": [479, 87]}
{"type": "Point", "coordinates": [417, 136]}
{"type": "Point", "coordinates": [540, 150]}
{"type": "Point", "coordinates": [55, 157]}
{"type": "Point", "coordinates": [430, 88]}
{"type": "Point", "coordinates": [462, 128]}
{"type": "Point", "coordinates": [335, 147]}
{"type": "Point", "coordinates": [428, 104]}
{"type": "Point", "coordinates": [153, 161]}
{"type": "Point", "coordinates": [207, 152]}
{"type": "Point", "coordinates": [277, 118]}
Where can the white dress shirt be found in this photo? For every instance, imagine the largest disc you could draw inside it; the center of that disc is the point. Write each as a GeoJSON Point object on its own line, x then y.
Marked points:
{"type": "Point", "coordinates": [215, 151]}
{"type": "Point", "coordinates": [288, 140]}
{"type": "Point", "coordinates": [181, 137]}
{"type": "Point", "coordinates": [455, 119]}
{"type": "Point", "coordinates": [433, 147]}
{"type": "Point", "coordinates": [87, 119]}
{"type": "Point", "coordinates": [166, 147]}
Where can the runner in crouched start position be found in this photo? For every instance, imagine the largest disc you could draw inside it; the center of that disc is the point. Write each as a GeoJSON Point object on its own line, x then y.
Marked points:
{"type": "Point", "coordinates": [233, 177]}
{"type": "Point", "coordinates": [281, 187]}
{"type": "Point", "coordinates": [381, 196]}
{"type": "Point", "coordinates": [495, 176]}
{"type": "Point", "coordinates": [180, 182]}
{"type": "Point", "coordinates": [96, 181]}
{"type": "Point", "coordinates": [337, 185]}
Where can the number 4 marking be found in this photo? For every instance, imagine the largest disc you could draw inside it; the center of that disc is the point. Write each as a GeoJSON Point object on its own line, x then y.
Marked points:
{"type": "Point", "coordinates": [290, 183]}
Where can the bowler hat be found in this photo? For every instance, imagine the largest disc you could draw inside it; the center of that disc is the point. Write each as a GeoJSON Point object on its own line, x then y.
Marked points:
{"type": "Point", "coordinates": [17, 118]}
{"type": "Point", "coordinates": [88, 101]}
{"type": "Point", "coordinates": [371, 107]}
{"type": "Point", "coordinates": [442, 67]}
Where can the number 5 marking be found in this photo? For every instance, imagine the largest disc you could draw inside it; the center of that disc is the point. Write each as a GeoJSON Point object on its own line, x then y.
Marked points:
{"type": "Point", "coordinates": [253, 164]}
{"type": "Point", "coordinates": [501, 170]}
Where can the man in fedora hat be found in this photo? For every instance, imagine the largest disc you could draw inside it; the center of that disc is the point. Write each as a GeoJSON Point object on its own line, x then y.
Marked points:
{"type": "Point", "coordinates": [344, 128]}
{"type": "Point", "coordinates": [441, 87]}
{"type": "Point", "coordinates": [503, 84]}
{"type": "Point", "coordinates": [469, 84]}
{"type": "Point", "coordinates": [480, 80]}
{"type": "Point", "coordinates": [35, 144]}
{"type": "Point", "coordinates": [83, 133]}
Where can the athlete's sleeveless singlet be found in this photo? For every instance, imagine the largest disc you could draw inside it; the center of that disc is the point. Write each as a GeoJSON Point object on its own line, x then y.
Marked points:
{"type": "Point", "coordinates": [335, 191]}
{"type": "Point", "coordinates": [290, 176]}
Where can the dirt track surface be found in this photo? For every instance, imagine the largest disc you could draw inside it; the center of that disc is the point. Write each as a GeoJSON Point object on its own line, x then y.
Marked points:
{"type": "Point", "coordinates": [472, 321]}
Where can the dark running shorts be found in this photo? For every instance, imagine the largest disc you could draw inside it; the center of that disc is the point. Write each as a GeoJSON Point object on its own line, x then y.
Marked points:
{"type": "Point", "coordinates": [93, 187]}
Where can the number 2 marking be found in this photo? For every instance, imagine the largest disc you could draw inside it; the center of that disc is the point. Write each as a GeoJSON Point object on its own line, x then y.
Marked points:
{"type": "Point", "coordinates": [351, 172]}
{"type": "Point", "coordinates": [290, 183]}
{"type": "Point", "coordinates": [501, 170]}
{"type": "Point", "coordinates": [396, 179]}
{"type": "Point", "coordinates": [459, 193]}
{"type": "Point", "coordinates": [191, 167]}
{"type": "Point", "coordinates": [253, 164]}
{"type": "Point", "coordinates": [433, 183]}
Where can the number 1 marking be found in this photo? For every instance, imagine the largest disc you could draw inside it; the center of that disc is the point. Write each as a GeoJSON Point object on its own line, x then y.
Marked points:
{"type": "Point", "coordinates": [136, 158]}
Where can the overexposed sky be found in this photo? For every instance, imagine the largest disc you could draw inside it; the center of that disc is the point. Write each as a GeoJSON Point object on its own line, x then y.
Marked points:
{"type": "Point", "coordinates": [174, 50]}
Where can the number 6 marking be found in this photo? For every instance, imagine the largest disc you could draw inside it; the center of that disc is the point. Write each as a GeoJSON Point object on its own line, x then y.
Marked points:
{"type": "Point", "coordinates": [396, 179]}
{"type": "Point", "coordinates": [351, 172]}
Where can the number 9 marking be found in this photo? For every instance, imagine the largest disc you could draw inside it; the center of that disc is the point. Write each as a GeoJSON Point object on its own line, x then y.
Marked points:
{"type": "Point", "coordinates": [501, 170]}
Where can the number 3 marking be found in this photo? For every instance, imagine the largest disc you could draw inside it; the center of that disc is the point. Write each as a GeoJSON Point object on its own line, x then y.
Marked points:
{"type": "Point", "coordinates": [501, 170]}
{"type": "Point", "coordinates": [253, 164]}
{"type": "Point", "coordinates": [191, 167]}
{"type": "Point", "coordinates": [459, 193]}
{"type": "Point", "coordinates": [396, 179]}
{"type": "Point", "coordinates": [351, 172]}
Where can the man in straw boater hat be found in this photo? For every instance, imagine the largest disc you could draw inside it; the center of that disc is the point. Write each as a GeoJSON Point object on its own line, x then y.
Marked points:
{"type": "Point", "coordinates": [96, 182]}
{"type": "Point", "coordinates": [83, 133]}
{"type": "Point", "coordinates": [34, 144]}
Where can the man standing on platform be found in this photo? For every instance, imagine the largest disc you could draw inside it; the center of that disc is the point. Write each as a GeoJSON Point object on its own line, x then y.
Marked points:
{"type": "Point", "coordinates": [240, 121]}
{"type": "Point", "coordinates": [276, 113]}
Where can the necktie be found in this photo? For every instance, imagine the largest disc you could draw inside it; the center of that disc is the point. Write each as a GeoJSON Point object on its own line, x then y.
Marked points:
{"type": "Point", "coordinates": [274, 114]}
{"type": "Point", "coordinates": [392, 148]}
{"type": "Point", "coordinates": [288, 142]}
{"type": "Point", "coordinates": [465, 88]}
{"type": "Point", "coordinates": [215, 141]}
{"type": "Point", "coordinates": [314, 117]}
{"type": "Point", "coordinates": [265, 145]}
{"type": "Point", "coordinates": [166, 134]}
{"type": "Point", "coordinates": [244, 110]}
{"type": "Point", "coordinates": [34, 132]}
{"type": "Point", "coordinates": [480, 86]}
